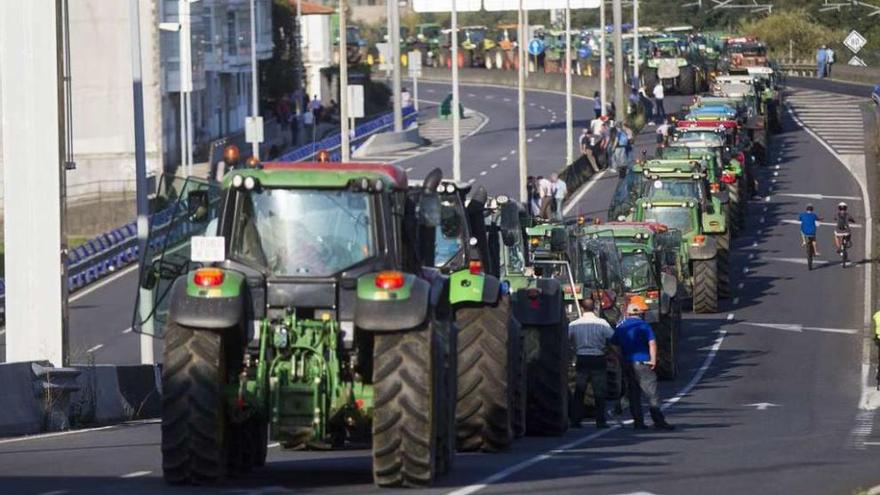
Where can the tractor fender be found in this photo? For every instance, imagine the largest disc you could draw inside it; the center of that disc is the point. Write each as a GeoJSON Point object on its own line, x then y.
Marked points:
{"type": "Point", "coordinates": [491, 289]}
{"type": "Point", "coordinates": [705, 251]}
{"type": "Point", "coordinates": [546, 309]}
{"type": "Point", "coordinates": [382, 310]}
{"type": "Point", "coordinates": [209, 308]}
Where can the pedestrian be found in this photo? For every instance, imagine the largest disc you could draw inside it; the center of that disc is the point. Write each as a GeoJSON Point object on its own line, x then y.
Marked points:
{"type": "Point", "coordinates": [636, 345]}
{"type": "Point", "coordinates": [597, 104]}
{"type": "Point", "coordinates": [620, 142]}
{"type": "Point", "coordinates": [405, 98]}
{"type": "Point", "coordinates": [532, 191]}
{"type": "Point", "coordinates": [560, 190]}
{"type": "Point", "coordinates": [647, 105]}
{"type": "Point", "coordinates": [821, 60]}
{"type": "Point", "coordinates": [589, 335]}
{"type": "Point", "coordinates": [658, 101]}
{"type": "Point", "coordinates": [294, 127]}
{"type": "Point", "coordinates": [588, 144]}
{"type": "Point", "coordinates": [315, 106]}
{"type": "Point", "coordinates": [663, 132]}
{"type": "Point", "coordinates": [309, 126]}
{"type": "Point", "coordinates": [545, 195]}
{"type": "Point", "coordinates": [829, 61]}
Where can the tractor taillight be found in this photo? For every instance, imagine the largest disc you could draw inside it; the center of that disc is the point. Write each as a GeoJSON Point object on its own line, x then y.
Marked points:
{"type": "Point", "coordinates": [389, 280]}
{"type": "Point", "coordinates": [208, 277]}
{"type": "Point", "coordinates": [728, 178]}
{"type": "Point", "coordinates": [475, 267]}
{"type": "Point", "coordinates": [653, 294]}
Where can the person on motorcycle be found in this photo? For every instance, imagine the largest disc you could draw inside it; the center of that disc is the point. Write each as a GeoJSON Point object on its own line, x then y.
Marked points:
{"type": "Point", "coordinates": [808, 221]}
{"type": "Point", "coordinates": [841, 229]}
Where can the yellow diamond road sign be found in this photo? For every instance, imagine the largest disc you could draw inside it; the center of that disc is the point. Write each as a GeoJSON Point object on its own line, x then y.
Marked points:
{"type": "Point", "coordinates": [855, 41]}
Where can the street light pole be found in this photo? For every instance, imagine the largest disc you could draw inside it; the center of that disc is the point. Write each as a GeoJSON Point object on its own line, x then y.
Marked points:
{"type": "Point", "coordinates": [343, 84]}
{"type": "Point", "coordinates": [619, 99]}
{"type": "Point", "coordinates": [636, 83]}
{"type": "Point", "coordinates": [394, 39]}
{"type": "Point", "coordinates": [521, 98]}
{"type": "Point", "coordinates": [456, 118]}
{"type": "Point", "coordinates": [603, 62]}
{"type": "Point", "coordinates": [186, 85]}
{"type": "Point", "coordinates": [255, 95]}
{"type": "Point", "coordinates": [569, 118]}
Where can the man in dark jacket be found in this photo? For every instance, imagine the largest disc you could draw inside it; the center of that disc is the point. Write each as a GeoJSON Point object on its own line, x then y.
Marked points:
{"type": "Point", "coordinates": [637, 347]}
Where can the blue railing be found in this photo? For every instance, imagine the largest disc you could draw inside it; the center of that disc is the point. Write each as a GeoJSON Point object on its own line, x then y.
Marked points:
{"type": "Point", "coordinates": [115, 249]}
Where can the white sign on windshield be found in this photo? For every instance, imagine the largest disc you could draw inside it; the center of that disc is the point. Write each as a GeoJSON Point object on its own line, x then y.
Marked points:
{"type": "Point", "coordinates": [500, 5]}
{"type": "Point", "coordinates": [446, 5]}
{"type": "Point", "coordinates": [205, 249]}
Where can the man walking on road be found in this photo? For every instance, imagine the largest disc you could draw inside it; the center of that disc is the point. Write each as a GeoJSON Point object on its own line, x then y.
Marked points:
{"type": "Point", "coordinates": [589, 335]}
{"type": "Point", "coordinates": [821, 61]}
{"type": "Point", "coordinates": [560, 190]}
{"type": "Point", "coordinates": [659, 110]}
{"type": "Point", "coordinates": [545, 193]}
{"type": "Point", "coordinates": [635, 343]}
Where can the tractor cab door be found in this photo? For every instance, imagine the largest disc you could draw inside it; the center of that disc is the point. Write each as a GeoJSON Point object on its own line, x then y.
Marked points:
{"type": "Point", "coordinates": [183, 208]}
{"type": "Point", "coordinates": [669, 248]}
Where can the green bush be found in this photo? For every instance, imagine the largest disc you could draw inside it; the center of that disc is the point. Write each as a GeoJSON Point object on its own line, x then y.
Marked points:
{"type": "Point", "coordinates": [794, 29]}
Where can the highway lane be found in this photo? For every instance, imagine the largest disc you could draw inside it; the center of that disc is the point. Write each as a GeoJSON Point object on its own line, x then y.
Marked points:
{"type": "Point", "coordinates": [775, 409]}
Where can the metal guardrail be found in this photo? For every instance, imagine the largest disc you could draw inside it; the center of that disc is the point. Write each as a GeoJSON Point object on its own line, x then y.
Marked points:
{"type": "Point", "coordinates": [115, 249]}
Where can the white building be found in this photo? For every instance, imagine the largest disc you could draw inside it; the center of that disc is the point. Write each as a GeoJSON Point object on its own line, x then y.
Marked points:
{"type": "Point", "coordinates": [103, 116]}
{"type": "Point", "coordinates": [317, 47]}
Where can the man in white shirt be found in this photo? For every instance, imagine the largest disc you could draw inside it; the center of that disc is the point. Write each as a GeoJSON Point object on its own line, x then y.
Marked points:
{"type": "Point", "coordinates": [560, 190]}
{"type": "Point", "coordinates": [405, 98]}
{"type": "Point", "coordinates": [659, 111]}
{"type": "Point", "coordinates": [545, 193]}
{"type": "Point", "coordinates": [589, 335]}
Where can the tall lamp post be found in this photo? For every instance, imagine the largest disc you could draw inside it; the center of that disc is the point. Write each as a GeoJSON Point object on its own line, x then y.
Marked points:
{"type": "Point", "coordinates": [254, 128]}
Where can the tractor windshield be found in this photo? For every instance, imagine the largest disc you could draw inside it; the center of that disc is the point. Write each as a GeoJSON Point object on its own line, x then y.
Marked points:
{"type": "Point", "coordinates": [637, 273]}
{"type": "Point", "coordinates": [448, 241]}
{"type": "Point", "coordinates": [303, 233]}
{"type": "Point", "coordinates": [476, 35]}
{"type": "Point", "coordinates": [674, 217]}
{"type": "Point", "coordinates": [671, 188]}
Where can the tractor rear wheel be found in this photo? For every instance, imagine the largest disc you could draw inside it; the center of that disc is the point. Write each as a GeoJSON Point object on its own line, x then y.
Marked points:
{"type": "Point", "coordinates": [705, 293]}
{"type": "Point", "coordinates": [547, 363]}
{"type": "Point", "coordinates": [486, 377]}
{"type": "Point", "coordinates": [409, 418]}
{"type": "Point", "coordinates": [194, 424]}
{"type": "Point", "coordinates": [666, 331]}
{"type": "Point", "coordinates": [687, 81]}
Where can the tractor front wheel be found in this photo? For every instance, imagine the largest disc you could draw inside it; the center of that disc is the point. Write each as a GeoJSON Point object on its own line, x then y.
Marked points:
{"type": "Point", "coordinates": [547, 363]}
{"type": "Point", "coordinates": [705, 291]}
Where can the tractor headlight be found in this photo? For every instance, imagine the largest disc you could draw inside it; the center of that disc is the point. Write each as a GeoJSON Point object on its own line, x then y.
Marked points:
{"type": "Point", "coordinates": [450, 188]}
{"type": "Point", "coordinates": [250, 183]}
{"type": "Point", "coordinates": [237, 181]}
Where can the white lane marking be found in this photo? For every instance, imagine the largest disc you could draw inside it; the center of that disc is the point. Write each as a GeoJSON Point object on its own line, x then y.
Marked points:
{"type": "Point", "coordinates": [863, 429]}
{"type": "Point", "coordinates": [797, 327]}
{"type": "Point", "coordinates": [754, 243]}
{"type": "Point", "coordinates": [508, 472]}
{"type": "Point", "coordinates": [483, 173]}
{"type": "Point", "coordinates": [471, 181]}
{"type": "Point", "coordinates": [745, 269]}
{"type": "Point", "coordinates": [799, 261]}
{"type": "Point", "coordinates": [512, 152]}
{"type": "Point", "coordinates": [740, 285]}
{"type": "Point", "coordinates": [494, 165]}
{"type": "Point", "coordinates": [531, 103]}
{"type": "Point", "coordinates": [104, 281]}
{"type": "Point", "coordinates": [127, 330]}
{"type": "Point", "coordinates": [503, 158]}
{"type": "Point", "coordinates": [729, 316]}
{"type": "Point", "coordinates": [529, 140]}
{"type": "Point", "coordinates": [767, 199]}
{"type": "Point", "coordinates": [136, 474]}
{"type": "Point", "coordinates": [537, 135]}
{"type": "Point", "coordinates": [274, 445]}
{"type": "Point", "coordinates": [761, 406]}
{"type": "Point", "coordinates": [773, 181]}
{"type": "Point", "coordinates": [429, 90]}
{"type": "Point", "coordinates": [75, 432]}
{"type": "Point", "coordinates": [577, 197]}
{"type": "Point", "coordinates": [408, 169]}
{"type": "Point", "coordinates": [820, 196]}
{"type": "Point", "coordinates": [507, 100]}
{"type": "Point", "coordinates": [826, 224]}
{"type": "Point", "coordinates": [775, 174]}
{"type": "Point", "coordinates": [735, 301]}
{"type": "Point", "coordinates": [93, 349]}
{"type": "Point", "coordinates": [763, 219]}
{"type": "Point", "coordinates": [471, 95]}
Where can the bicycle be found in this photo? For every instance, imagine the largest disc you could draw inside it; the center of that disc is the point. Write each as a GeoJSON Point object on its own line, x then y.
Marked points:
{"type": "Point", "coordinates": [809, 241]}
{"type": "Point", "coordinates": [845, 242]}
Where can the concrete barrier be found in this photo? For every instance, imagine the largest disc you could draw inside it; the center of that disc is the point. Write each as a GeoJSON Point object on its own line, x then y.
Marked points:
{"type": "Point", "coordinates": [389, 142]}
{"type": "Point", "coordinates": [20, 410]}
{"type": "Point", "coordinates": [112, 394]}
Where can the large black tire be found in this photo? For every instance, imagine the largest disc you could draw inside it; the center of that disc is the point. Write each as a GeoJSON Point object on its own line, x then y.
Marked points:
{"type": "Point", "coordinates": [520, 392]}
{"type": "Point", "coordinates": [547, 363]}
{"type": "Point", "coordinates": [409, 418]}
{"type": "Point", "coordinates": [687, 81]}
{"type": "Point", "coordinates": [724, 289]}
{"type": "Point", "coordinates": [666, 331]}
{"type": "Point", "coordinates": [194, 431]}
{"type": "Point", "coordinates": [705, 292]}
{"type": "Point", "coordinates": [486, 377]}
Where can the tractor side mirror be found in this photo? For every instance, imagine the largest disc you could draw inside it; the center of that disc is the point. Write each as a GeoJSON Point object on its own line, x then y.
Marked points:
{"type": "Point", "coordinates": [198, 206]}
{"type": "Point", "coordinates": [669, 284]}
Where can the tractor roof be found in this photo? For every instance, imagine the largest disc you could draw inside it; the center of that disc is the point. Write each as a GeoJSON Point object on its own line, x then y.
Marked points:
{"type": "Point", "coordinates": [681, 202]}
{"type": "Point", "coordinates": [670, 165]}
{"type": "Point", "coordinates": [706, 124]}
{"type": "Point", "coordinates": [626, 230]}
{"type": "Point", "coordinates": [321, 175]}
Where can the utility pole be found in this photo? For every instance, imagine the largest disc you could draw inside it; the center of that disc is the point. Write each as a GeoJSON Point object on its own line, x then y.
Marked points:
{"type": "Point", "coordinates": [343, 83]}
{"type": "Point", "coordinates": [619, 98]}
{"type": "Point", "coordinates": [255, 89]}
{"type": "Point", "coordinates": [140, 171]}
{"type": "Point", "coordinates": [636, 84]}
{"type": "Point", "coordinates": [456, 118]}
{"type": "Point", "coordinates": [394, 39]}
{"type": "Point", "coordinates": [603, 61]}
{"type": "Point", "coordinates": [521, 98]}
{"type": "Point", "coordinates": [569, 118]}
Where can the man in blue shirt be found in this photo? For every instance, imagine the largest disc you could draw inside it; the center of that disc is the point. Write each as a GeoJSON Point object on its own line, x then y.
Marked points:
{"type": "Point", "coordinates": [808, 221]}
{"type": "Point", "coordinates": [634, 339]}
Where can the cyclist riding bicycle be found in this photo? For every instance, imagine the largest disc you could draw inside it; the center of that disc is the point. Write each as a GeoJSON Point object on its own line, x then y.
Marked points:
{"type": "Point", "coordinates": [808, 221]}
{"type": "Point", "coordinates": [841, 229]}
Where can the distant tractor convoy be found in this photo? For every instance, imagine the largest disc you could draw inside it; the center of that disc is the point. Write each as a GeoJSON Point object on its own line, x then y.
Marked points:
{"type": "Point", "coordinates": [340, 305]}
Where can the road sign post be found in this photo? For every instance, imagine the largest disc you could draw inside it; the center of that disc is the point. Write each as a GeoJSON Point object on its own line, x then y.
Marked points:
{"type": "Point", "coordinates": [415, 72]}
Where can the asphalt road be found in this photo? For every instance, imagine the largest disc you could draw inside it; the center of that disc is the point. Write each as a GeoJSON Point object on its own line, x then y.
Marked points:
{"type": "Point", "coordinates": [766, 403]}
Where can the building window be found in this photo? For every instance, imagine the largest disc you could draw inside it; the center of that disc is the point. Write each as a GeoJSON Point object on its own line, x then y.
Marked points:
{"type": "Point", "coordinates": [231, 38]}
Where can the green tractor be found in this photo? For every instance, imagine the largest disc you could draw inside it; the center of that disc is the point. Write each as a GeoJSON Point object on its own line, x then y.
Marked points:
{"type": "Point", "coordinates": [304, 317]}
{"type": "Point", "coordinates": [703, 236]}
{"type": "Point", "coordinates": [489, 406]}
{"type": "Point", "coordinates": [653, 263]}
{"type": "Point", "coordinates": [669, 64]}
{"type": "Point", "coordinates": [475, 45]}
{"type": "Point", "coordinates": [428, 40]}
{"type": "Point", "coordinates": [538, 302]}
